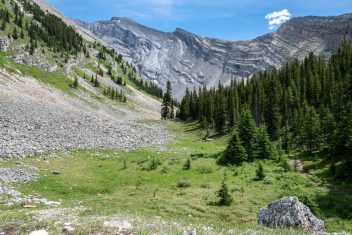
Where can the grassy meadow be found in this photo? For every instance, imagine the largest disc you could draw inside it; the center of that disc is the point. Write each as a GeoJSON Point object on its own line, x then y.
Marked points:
{"type": "Point", "coordinates": [149, 184]}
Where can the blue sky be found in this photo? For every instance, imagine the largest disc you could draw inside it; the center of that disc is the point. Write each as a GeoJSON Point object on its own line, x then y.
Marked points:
{"type": "Point", "coordinates": [226, 19]}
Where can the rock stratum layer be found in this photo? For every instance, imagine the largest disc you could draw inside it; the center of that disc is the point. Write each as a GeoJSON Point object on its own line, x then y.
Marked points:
{"type": "Point", "coordinates": [187, 59]}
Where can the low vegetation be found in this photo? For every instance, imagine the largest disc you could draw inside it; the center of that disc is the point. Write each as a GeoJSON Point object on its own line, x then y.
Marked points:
{"type": "Point", "coordinates": [149, 183]}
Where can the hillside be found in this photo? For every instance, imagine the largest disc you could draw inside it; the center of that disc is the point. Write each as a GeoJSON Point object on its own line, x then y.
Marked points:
{"type": "Point", "coordinates": [41, 110]}
{"type": "Point", "coordinates": [190, 60]}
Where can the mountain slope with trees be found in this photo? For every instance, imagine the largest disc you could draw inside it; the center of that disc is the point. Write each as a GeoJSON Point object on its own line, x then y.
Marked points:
{"type": "Point", "coordinates": [305, 106]}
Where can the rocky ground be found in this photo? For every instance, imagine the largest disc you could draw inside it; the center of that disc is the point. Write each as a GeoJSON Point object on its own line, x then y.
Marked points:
{"type": "Point", "coordinates": [35, 118]}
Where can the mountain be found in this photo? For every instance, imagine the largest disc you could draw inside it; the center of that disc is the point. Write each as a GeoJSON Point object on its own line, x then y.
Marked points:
{"type": "Point", "coordinates": [188, 59]}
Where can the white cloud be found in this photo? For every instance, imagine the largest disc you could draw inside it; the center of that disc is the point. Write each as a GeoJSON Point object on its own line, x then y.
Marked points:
{"type": "Point", "coordinates": [278, 17]}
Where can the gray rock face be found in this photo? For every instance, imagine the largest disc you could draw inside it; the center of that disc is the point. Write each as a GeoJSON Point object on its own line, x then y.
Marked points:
{"type": "Point", "coordinates": [187, 59]}
{"type": "Point", "coordinates": [289, 212]}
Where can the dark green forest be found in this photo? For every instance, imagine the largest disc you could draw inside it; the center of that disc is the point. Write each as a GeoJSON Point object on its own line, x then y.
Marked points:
{"type": "Point", "coordinates": [302, 107]}
{"type": "Point", "coordinates": [52, 30]}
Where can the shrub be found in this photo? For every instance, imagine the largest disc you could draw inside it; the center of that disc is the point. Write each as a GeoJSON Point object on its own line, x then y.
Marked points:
{"type": "Point", "coordinates": [164, 170]}
{"type": "Point", "coordinates": [205, 186]}
{"type": "Point", "coordinates": [187, 164]}
{"type": "Point", "coordinates": [260, 173]}
{"type": "Point", "coordinates": [154, 164]}
{"type": "Point", "coordinates": [286, 165]}
{"type": "Point", "coordinates": [268, 180]}
{"type": "Point", "coordinates": [183, 184]}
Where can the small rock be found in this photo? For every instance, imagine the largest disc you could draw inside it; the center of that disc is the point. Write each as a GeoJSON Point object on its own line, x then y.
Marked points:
{"type": "Point", "coordinates": [68, 229]}
{"type": "Point", "coordinates": [121, 224]}
{"type": "Point", "coordinates": [39, 232]}
{"type": "Point", "coordinates": [190, 232]}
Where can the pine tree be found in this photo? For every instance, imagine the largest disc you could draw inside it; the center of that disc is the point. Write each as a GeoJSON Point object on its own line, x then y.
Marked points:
{"type": "Point", "coordinates": [260, 173]}
{"type": "Point", "coordinates": [220, 111]}
{"type": "Point", "coordinates": [310, 132]}
{"type": "Point", "coordinates": [75, 83]}
{"type": "Point", "coordinates": [264, 145]}
{"type": "Point", "coordinates": [235, 153]}
{"type": "Point", "coordinates": [167, 101]}
{"type": "Point", "coordinates": [3, 25]}
{"type": "Point", "coordinates": [15, 34]}
{"type": "Point", "coordinates": [248, 135]}
{"type": "Point", "coordinates": [225, 198]}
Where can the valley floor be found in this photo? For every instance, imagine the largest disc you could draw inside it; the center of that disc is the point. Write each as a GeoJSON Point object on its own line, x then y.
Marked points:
{"type": "Point", "coordinates": [146, 191]}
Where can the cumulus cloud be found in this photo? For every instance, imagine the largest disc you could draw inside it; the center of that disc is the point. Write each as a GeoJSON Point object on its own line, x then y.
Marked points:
{"type": "Point", "coordinates": [277, 17]}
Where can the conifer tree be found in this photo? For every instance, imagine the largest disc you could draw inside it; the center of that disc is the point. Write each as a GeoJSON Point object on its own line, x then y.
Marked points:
{"type": "Point", "coordinates": [167, 102]}
{"type": "Point", "coordinates": [260, 173]}
{"type": "Point", "coordinates": [75, 83]}
{"type": "Point", "coordinates": [248, 135]}
{"type": "Point", "coordinates": [264, 145]}
{"type": "Point", "coordinates": [15, 34]}
{"type": "Point", "coordinates": [235, 153]}
{"type": "Point", "coordinates": [225, 198]}
{"type": "Point", "coordinates": [220, 110]}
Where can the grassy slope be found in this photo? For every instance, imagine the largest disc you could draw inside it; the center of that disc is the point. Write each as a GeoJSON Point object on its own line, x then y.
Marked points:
{"type": "Point", "coordinates": [106, 188]}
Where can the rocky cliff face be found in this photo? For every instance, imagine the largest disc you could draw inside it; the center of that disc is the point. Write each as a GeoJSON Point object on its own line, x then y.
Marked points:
{"type": "Point", "coordinates": [188, 60]}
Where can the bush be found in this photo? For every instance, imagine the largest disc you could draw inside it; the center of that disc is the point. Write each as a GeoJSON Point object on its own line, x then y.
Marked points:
{"type": "Point", "coordinates": [154, 164]}
{"type": "Point", "coordinates": [260, 173]}
{"type": "Point", "coordinates": [205, 186]}
{"type": "Point", "coordinates": [286, 165]}
{"type": "Point", "coordinates": [183, 184]}
{"type": "Point", "coordinates": [164, 170]}
{"type": "Point", "coordinates": [187, 164]}
{"type": "Point", "coordinates": [268, 180]}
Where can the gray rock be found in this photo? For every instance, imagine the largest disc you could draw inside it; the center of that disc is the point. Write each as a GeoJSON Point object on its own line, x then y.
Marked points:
{"type": "Point", "coordinates": [120, 224]}
{"type": "Point", "coordinates": [16, 175]}
{"type": "Point", "coordinates": [289, 212]}
{"type": "Point", "coordinates": [39, 232]}
{"type": "Point", "coordinates": [5, 191]}
{"type": "Point", "coordinates": [192, 231]}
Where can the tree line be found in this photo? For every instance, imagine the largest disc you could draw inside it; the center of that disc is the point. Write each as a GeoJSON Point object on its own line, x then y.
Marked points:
{"type": "Point", "coordinates": [304, 106]}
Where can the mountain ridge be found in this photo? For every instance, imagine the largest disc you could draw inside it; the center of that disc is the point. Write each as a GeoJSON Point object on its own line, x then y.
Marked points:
{"type": "Point", "coordinates": [191, 60]}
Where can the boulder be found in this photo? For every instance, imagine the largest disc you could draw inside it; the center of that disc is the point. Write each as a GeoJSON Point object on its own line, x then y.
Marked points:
{"type": "Point", "coordinates": [289, 212]}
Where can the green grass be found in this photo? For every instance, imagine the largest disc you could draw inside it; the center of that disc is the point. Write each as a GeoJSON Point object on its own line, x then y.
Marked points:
{"type": "Point", "coordinates": [99, 180]}
{"type": "Point", "coordinates": [56, 79]}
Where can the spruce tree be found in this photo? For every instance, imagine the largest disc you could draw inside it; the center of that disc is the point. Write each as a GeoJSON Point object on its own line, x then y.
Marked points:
{"type": "Point", "coordinates": [265, 147]}
{"type": "Point", "coordinates": [248, 135]}
{"type": "Point", "coordinates": [75, 83]}
{"type": "Point", "coordinates": [167, 101]}
{"type": "Point", "coordinates": [260, 173]}
{"type": "Point", "coordinates": [220, 111]}
{"type": "Point", "coordinates": [235, 153]}
{"type": "Point", "coordinates": [225, 198]}
{"type": "Point", "coordinates": [15, 34]}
